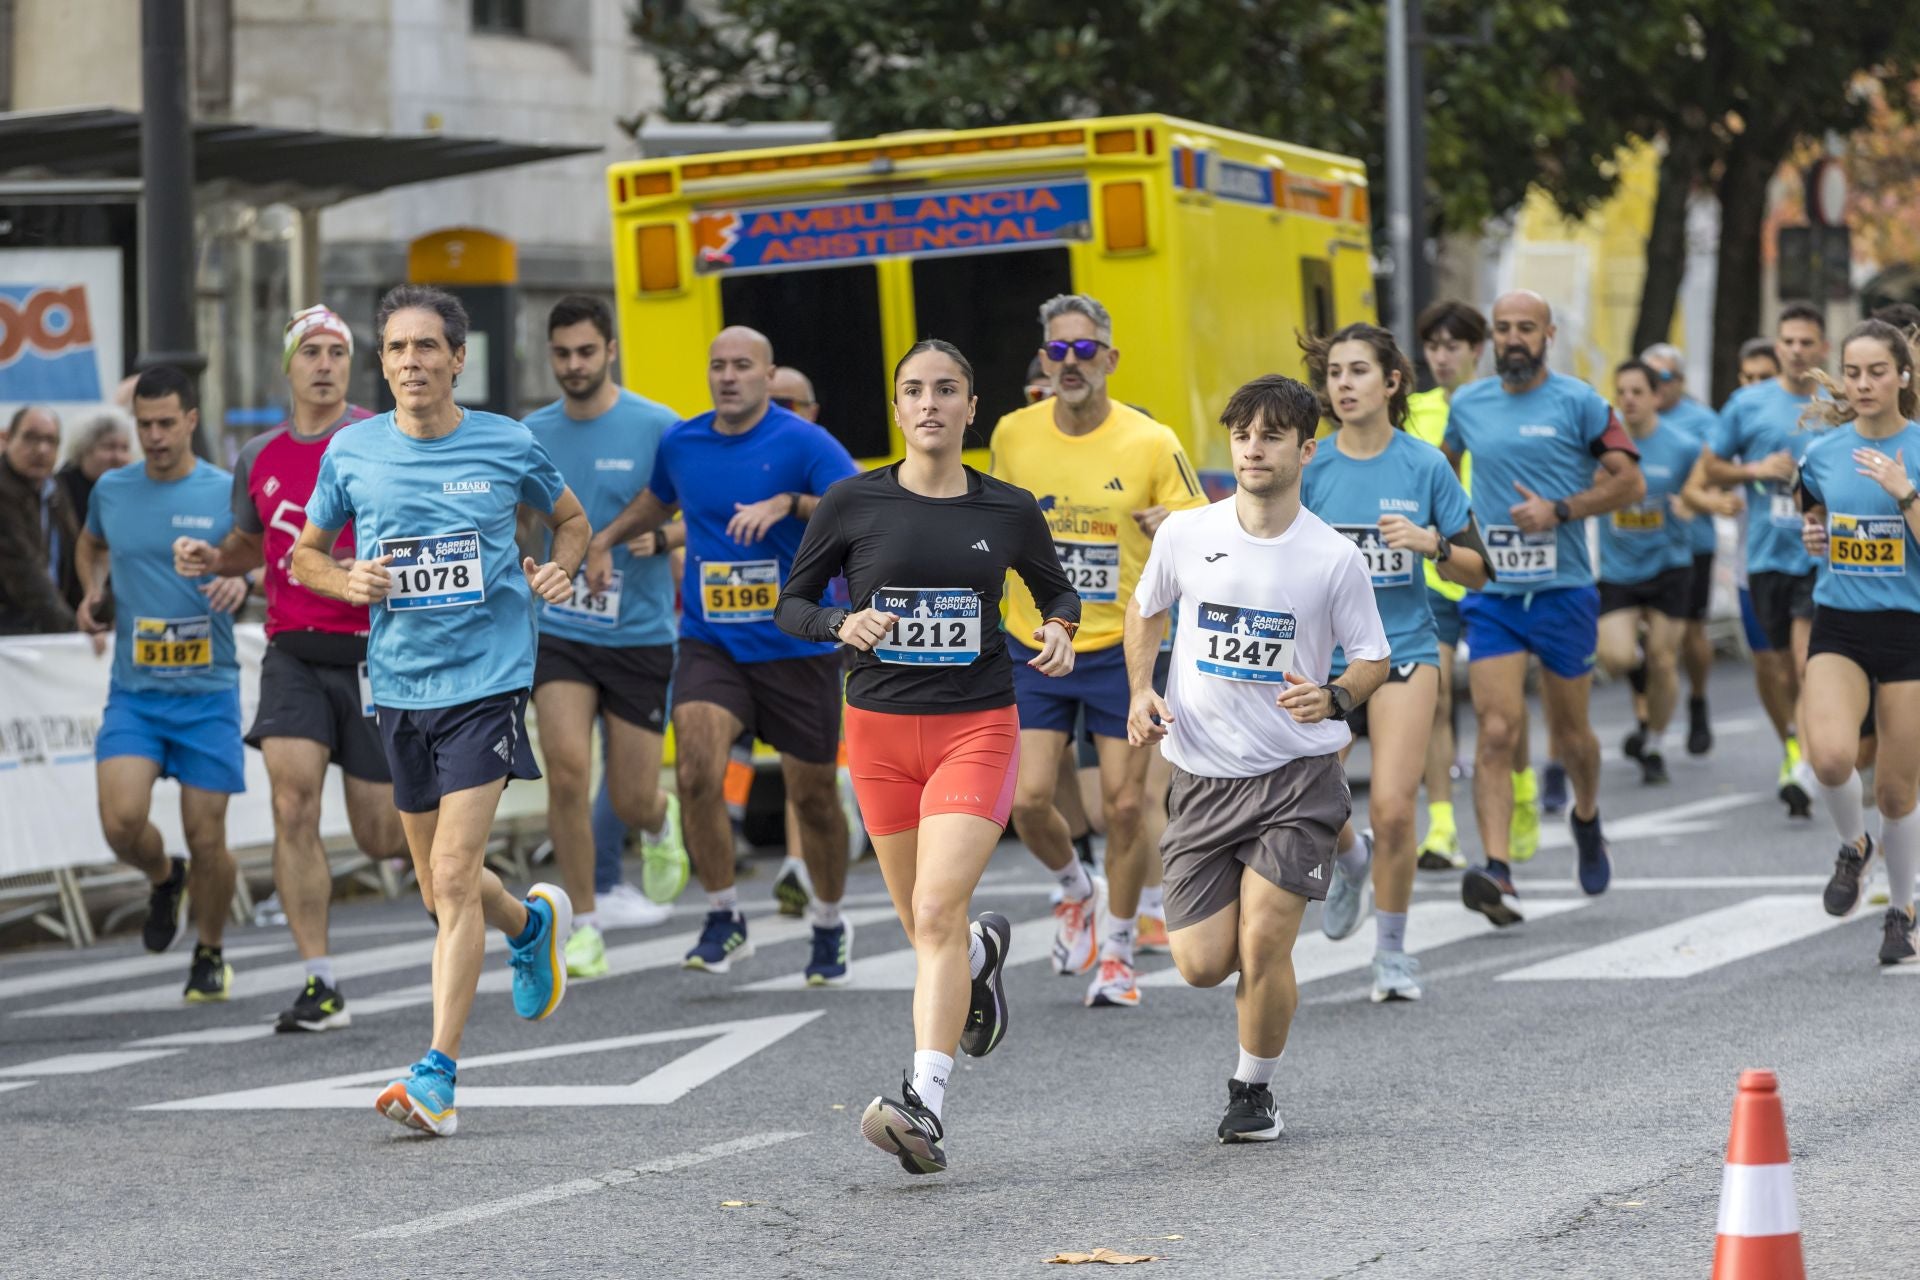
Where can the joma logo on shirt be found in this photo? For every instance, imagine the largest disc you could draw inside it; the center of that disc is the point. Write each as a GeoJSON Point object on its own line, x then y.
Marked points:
{"type": "Point", "coordinates": [193, 522]}
{"type": "Point", "coordinates": [466, 486]}
{"type": "Point", "coordinates": [613, 464]}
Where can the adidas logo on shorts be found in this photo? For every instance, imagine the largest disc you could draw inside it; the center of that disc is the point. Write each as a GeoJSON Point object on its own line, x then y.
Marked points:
{"type": "Point", "coordinates": [504, 749]}
{"type": "Point", "coordinates": [981, 545]}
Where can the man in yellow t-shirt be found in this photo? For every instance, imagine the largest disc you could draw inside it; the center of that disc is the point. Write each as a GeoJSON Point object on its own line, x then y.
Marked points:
{"type": "Point", "coordinates": [1105, 476]}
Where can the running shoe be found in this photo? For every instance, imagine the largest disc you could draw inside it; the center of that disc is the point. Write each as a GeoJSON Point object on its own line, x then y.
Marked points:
{"type": "Point", "coordinates": [422, 1099]}
{"type": "Point", "coordinates": [166, 909]}
{"type": "Point", "coordinates": [1699, 728]}
{"type": "Point", "coordinates": [663, 857]}
{"type": "Point", "coordinates": [1396, 976]}
{"type": "Point", "coordinates": [1849, 877]}
{"type": "Point", "coordinates": [1523, 830]}
{"type": "Point", "coordinates": [1635, 743]}
{"type": "Point", "coordinates": [1653, 770]}
{"type": "Point", "coordinates": [586, 953]}
{"type": "Point", "coordinates": [1349, 898]}
{"type": "Point", "coordinates": [1896, 939]}
{"type": "Point", "coordinates": [1593, 856]}
{"type": "Point", "coordinates": [1554, 796]}
{"type": "Point", "coordinates": [906, 1129]}
{"type": "Point", "coordinates": [1150, 937]}
{"type": "Point", "coordinates": [1793, 791]}
{"type": "Point", "coordinates": [1250, 1116]}
{"type": "Point", "coordinates": [1076, 932]}
{"type": "Point", "coordinates": [318, 1007]}
{"type": "Point", "coordinates": [987, 1012]}
{"type": "Point", "coordinates": [1489, 890]}
{"type": "Point", "coordinates": [268, 913]}
{"type": "Point", "coordinates": [625, 907]}
{"type": "Point", "coordinates": [210, 978]}
{"type": "Point", "coordinates": [1115, 986]}
{"type": "Point", "coordinates": [1440, 851]}
{"type": "Point", "coordinates": [723, 939]}
{"type": "Point", "coordinates": [540, 967]}
{"type": "Point", "coordinates": [793, 890]}
{"type": "Point", "coordinates": [832, 961]}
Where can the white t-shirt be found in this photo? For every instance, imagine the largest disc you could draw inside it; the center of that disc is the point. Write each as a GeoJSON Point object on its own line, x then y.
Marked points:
{"type": "Point", "coordinates": [1250, 609]}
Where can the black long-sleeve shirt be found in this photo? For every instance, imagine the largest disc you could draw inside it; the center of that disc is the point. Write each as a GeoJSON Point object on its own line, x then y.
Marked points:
{"type": "Point", "coordinates": [941, 565]}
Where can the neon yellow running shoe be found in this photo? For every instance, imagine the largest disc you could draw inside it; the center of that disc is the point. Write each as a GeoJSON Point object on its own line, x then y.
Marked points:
{"type": "Point", "coordinates": [663, 858]}
{"type": "Point", "coordinates": [1440, 851]}
{"type": "Point", "coordinates": [1523, 832]}
{"type": "Point", "coordinates": [586, 953]}
{"type": "Point", "coordinates": [1793, 792]}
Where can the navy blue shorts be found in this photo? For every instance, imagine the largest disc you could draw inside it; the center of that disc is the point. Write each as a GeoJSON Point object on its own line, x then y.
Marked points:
{"type": "Point", "coordinates": [1560, 626]}
{"type": "Point", "coordinates": [436, 751]}
{"type": "Point", "coordinates": [1446, 619]}
{"type": "Point", "coordinates": [1750, 623]}
{"type": "Point", "coordinates": [1097, 685]}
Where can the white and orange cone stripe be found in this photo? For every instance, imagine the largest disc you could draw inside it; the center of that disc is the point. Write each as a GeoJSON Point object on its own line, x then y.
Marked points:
{"type": "Point", "coordinates": [1759, 1236]}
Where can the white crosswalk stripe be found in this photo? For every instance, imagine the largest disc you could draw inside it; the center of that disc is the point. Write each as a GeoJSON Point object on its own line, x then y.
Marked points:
{"type": "Point", "coordinates": [140, 966]}
{"type": "Point", "coordinates": [1691, 946]}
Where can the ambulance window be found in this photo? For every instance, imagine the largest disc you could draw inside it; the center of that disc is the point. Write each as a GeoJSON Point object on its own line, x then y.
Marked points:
{"type": "Point", "coordinates": [988, 305]}
{"type": "Point", "coordinates": [826, 323]}
{"type": "Point", "coordinates": [1316, 295]}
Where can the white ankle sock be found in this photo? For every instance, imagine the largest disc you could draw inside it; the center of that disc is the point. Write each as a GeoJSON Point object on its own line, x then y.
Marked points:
{"type": "Point", "coordinates": [1253, 1070]}
{"type": "Point", "coordinates": [824, 915]}
{"type": "Point", "coordinates": [321, 967]}
{"type": "Point", "coordinates": [1075, 883]}
{"type": "Point", "coordinates": [1656, 742]}
{"type": "Point", "coordinates": [1118, 942]}
{"type": "Point", "coordinates": [727, 899]}
{"type": "Point", "coordinates": [1353, 858]}
{"type": "Point", "coordinates": [976, 953]}
{"type": "Point", "coordinates": [587, 920]}
{"type": "Point", "coordinates": [1153, 901]}
{"type": "Point", "coordinates": [1843, 806]}
{"type": "Point", "coordinates": [1900, 846]}
{"type": "Point", "coordinates": [930, 1072]}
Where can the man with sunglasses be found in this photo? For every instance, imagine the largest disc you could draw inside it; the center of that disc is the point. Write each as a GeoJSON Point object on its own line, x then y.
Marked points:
{"type": "Point", "coordinates": [792, 390]}
{"type": "Point", "coordinates": [1105, 475]}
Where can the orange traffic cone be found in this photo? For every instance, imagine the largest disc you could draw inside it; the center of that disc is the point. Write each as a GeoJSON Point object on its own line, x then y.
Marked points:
{"type": "Point", "coordinates": [1759, 1225]}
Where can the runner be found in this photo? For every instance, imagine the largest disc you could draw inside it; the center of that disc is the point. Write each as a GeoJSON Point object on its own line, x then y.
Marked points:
{"type": "Point", "coordinates": [1683, 412]}
{"type": "Point", "coordinates": [748, 476]}
{"type": "Point", "coordinates": [431, 490]}
{"type": "Point", "coordinates": [1646, 565]}
{"type": "Point", "coordinates": [1530, 431]}
{"type": "Point", "coordinates": [1258, 795]}
{"type": "Point", "coordinates": [314, 703]}
{"type": "Point", "coordinates": [932, 735]}
{"type": "Point", "coordinates": [1396, 499]}
{"type": "Point", "coordinates": [1106, 475]}
{"type": "Point", "coordinates": [1754, 445]}
{"type": "Point", "coordinates": [1858, 485]}
{"type": "Point", "coordinates": [605, 656]}
{"type": "Point", "coordinates": [173, 703]}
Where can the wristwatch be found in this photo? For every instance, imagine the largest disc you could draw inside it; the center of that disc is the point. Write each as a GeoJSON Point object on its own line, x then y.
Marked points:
{"type": "Point", "coordinates": [1913, 496]}
{"type": "Point", "coordinates": [1561, 511]}
{"type": "Point", "coordinates": [1443, 551]}
{"type": "Point", "coordinates": [836, 619]}
{"type": "Point", "coordinates": [1342, 701]}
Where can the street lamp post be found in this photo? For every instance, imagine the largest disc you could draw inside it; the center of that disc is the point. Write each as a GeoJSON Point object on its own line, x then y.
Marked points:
{"type": "Point", "coordinates": [1400, 195]}
{"type": "Point", "coordinates": [168, 246]}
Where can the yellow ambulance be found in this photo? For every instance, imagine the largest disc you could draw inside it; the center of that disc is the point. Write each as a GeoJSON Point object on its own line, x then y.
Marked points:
{"type": "Point", "coordinates": [1209, 247]}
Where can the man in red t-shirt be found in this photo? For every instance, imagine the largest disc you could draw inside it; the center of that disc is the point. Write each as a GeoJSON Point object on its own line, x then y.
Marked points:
{"type": "Point", "coordinates": [315, 704]}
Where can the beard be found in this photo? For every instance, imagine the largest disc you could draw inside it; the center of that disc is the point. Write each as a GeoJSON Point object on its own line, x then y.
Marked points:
{"type": "Point", "coordinates": [1272, 484]}
{"type": "Point", "coordinates": [588, 387]}
{"type": "Point", "coordinates": [1519, 365]}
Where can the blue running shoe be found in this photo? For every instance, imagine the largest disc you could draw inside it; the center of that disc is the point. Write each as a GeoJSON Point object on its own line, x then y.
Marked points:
{"type": "Point", "coordinates": [540, 967]}
{"type": "Point", "coordinates": [1489, 890]}
{"type": "Point", "coordinates": [1554, 796]}
{"type": "Point", "coordinates": [422, 1099]}
{"type": "Point", "coordinates": [723, 939]}
{"type": "Point", "coordinates": [1349, 898]}
{"type": "Point", "coordinates": [832, 960]}
{"type": "Point", "coordinates": [1596, 859]}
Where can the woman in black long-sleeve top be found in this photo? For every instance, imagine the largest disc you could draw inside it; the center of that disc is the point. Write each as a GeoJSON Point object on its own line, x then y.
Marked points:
{"type": "Point", "coordinates": [932, 734]}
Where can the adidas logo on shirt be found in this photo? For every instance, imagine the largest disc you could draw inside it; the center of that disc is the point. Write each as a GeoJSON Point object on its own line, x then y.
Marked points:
{"type": "Point", "coordinates": [1115, 485]}
{"type": "Point", "coordinates": [982, 545]}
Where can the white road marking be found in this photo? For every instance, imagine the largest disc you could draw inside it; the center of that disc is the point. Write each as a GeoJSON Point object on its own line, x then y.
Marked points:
{"type": "Point", "coordinates": [577, 1187]}
{"type": "Point", "coordinates": [1691, 946]}
{"type": "Point", "coordinates": [206, 1035]}
{"type": "Point", "coordinates": [1666, 884]}
{"type": "Point", "coordinates": [81, 1064]}
{"type": "Point", "coordinates": [1692, 817]}
{"type": "Point", "coordinates": [894, 970]}
{"type": "Point", "coordinates": [7, 1086]}
{"type": "Point", "coordinates": [140, 966]}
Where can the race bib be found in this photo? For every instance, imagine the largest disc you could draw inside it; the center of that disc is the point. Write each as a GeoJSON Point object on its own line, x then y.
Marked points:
{"type": "Point", "coordinates": [366, 692]}
{"type": "Point", "coordinates": [172, 646]}
{"type": "Point", "coordinates": [1245, 644]}
{"type": "Point", "coordinates": [438, 572]}
{"type": "Point", "coordinates": [1522, 557]}
{"type": "Point", "coordinates": [939, 626]}
{"type": "Point", "coordinates": [602, 610]}
{"type": "Point", "coordinates": [1646, 517]}
{"type": "Point", "coordinates": [1093, 568]}
{"type": "Point", "coordinates": [1783, 509]}
{"type": "Point", "coordinates": [739, 590]}
{"type": "Point", "coordinates": [1867, 546]}
{"type": "Point", "coordinates": [1387, 566]}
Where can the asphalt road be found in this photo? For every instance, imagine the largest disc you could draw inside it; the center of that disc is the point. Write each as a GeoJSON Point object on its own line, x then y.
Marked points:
{"type": "Point", "coordinates": [1557, 1106]}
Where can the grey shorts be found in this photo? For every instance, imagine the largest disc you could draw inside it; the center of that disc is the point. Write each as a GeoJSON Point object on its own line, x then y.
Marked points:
{"type": "Point", "coordinates": [1282, 824]}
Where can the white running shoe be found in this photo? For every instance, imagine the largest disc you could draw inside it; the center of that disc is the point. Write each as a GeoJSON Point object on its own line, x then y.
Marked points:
{"type": "Point", "coordinates": [625, 907]}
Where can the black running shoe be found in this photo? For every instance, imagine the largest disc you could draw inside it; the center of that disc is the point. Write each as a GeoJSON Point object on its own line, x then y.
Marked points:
{"type": "Point", "coordinates": [1849, 877]}
{"type": "Point", "coordinates": [1793, 795]}
{"type": "Point", "coordinates": [790, 891]}
{"type": "Point", "coordinates": [166, 909]}
{"type": "Point", "coordinates": [907, 1130]}
{"type": "Point", "coordinates": [987, 1019]}
{"type": "Point", "coordinates": [1635, 743]}
{"type": "Point", "coordinates": [1250, 1114]}
{"type": "Point", "coordinates": [1699, 731]}
{"type": "Point", "coordinates": [211, 977]}
{"type": "Point", "coordinates": [1896, 943]}
{"type": "Point", "coordinates": [1653, 769]}
{"type": "Point", "coordinates": [1489, 891]}
{"type": "Point", "coordinates": [318, 1008]}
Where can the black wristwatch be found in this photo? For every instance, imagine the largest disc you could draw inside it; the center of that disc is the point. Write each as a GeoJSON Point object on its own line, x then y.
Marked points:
{"type": "Point", "coordinates": [1913, 496]}
{"type": "Point", "coordinates": [835, 620]}
{"type": "Point", "coordinates": [1561, 511]}
{"type": "Point", "coordinates": [1444, 551]}
{"type": "Point", "coordinates": [1342, 701]}
{"type": "Point", "coordinates": [793, 497]}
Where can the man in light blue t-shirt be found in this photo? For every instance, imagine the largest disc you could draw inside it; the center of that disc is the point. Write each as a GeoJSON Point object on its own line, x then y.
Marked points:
{"type": "Point", "coordinates": [1536, 438]}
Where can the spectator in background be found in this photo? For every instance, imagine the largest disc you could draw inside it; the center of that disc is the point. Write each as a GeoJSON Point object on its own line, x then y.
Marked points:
{"type": "Point", "coordinates": [793, 390]}
{"type": "Point", "coordinates": [37, 530]}
{"type": "Point", "coordinates": [103, 441]}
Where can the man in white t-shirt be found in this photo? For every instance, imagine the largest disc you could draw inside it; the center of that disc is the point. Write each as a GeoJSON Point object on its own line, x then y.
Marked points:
{"type": "Point", "coordinates": [1266, 592]}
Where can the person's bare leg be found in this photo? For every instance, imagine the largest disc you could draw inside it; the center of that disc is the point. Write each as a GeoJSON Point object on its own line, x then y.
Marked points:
{"type": "Point", "coordinates": [467, 897]}
{"type": "Point", "coordinates": [1500, 706]}
{"type": "Point", "coordinates": [1398, 719]}
{"type": "Point", "coordinates": [703, 734]}
{"type": "Point", "coordinates": [1570, 727]}
{"type": "Point", "coordinates": [372, 819]}
{"type": "Point", "coordinates": [125, 788]}
{"type": "Point", "coordinates": [1067, 798]}
{"type": "Point", "coordinates": [813, 790]}
{"type": "Point", "coordinates": [1123, 784]}
{"type": "Point", "coordinates": [1773, 678]}
{"type": "Point", "coordinates": [1663, 669]}
{"type": "Point", "coordinates": [633, 773]}
{"type": "Point", "coordinates": [210, 868]}
{"type": "Point", "coordinates": [296, 771]}
{"type": "Point", "coordinates": [565, 711]}
{"type": "Point", "coordinates": [1035, 820]}
{"type": "Point", "coordinates": [1440, 745]}
{"type": "Point", "coordinates": [952, 852]}
{"type": "Point", "coordinates": [1267, 995]}
{"type": "Point", "coordinates": [1696, 652]}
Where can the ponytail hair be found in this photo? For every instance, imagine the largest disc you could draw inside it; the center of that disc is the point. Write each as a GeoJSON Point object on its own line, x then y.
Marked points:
{"type": "Point", "coordinates": [1838, 411]}
{"type": "Point", "coordinates": [1386, 351]}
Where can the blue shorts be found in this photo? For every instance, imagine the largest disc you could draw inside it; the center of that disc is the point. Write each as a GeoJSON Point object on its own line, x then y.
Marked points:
{"type": "Point", "coordinates": [1750, 623]}
{"type": "Point", "coordinates": [1446, 619]}
{"type": "Point", "coordinates": [1097, 686]}
{"type": "Point", "coordinates": [1560, 626]}
{"type": "Point", "coordinates": [436, 751]}
{"type": "Point", "coordinates": [193, 737]}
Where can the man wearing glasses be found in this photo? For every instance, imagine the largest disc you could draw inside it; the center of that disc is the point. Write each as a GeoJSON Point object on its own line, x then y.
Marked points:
{"type": "Point", "coordinates": [1105, 476]}
{"type": "Point", "coordinates": [792, 390]}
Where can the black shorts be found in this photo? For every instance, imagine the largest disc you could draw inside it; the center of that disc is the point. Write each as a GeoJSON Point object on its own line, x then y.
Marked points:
{"type": "Point", "coordinates": [1398, 673]}
{"type": "Point", "coordinates": [436, 751]}
{"type": "Point", "coordinates": [791, 704]}
{"type": "Point", "coordinates": [1779, 598]}
{"type": "Point", "coordinates": [632, 682]}
{"type": "Point", "coordinates": [1700, 587]}
{"type": "Point", "coordinates": [1665, 592]}
{"type": "Point", "coordinates": [322, 702]}
{"type": "Point", "coordinates": [1884, 644]}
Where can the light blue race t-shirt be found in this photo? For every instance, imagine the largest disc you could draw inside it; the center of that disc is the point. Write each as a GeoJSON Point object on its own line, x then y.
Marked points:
{"type": "Point", "coordinates": [457, 625]}
{"type": "Point", "coordinates": [1870, 549]}
{"type": "Point", "coordinates": [606, 461]}
{"type": "Point", "coordinates": [1408, 478]}
{"type": "Point", "coordinates": [1757, 421]}
{"type": "Point", "coordinates": [728, 594]}
{"type": "Point", "coordinates": [1698, 421]}
{"type": "Point", "coordinates": [1548, 439]}
{"type": "Point", "coordinates": [1640, 542]}
{"type": "Point", "coordinates": [166, 639]}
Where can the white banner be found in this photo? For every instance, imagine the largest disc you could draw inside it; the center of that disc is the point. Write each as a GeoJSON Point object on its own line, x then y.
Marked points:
{"type": "Point", "coordinates": [60, 339]}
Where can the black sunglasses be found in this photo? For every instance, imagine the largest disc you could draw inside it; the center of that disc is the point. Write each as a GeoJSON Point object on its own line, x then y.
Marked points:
{"type": "Point", "coordinates": [1083, 348]}
{"type": "Point", "coordinates": [790, 402]}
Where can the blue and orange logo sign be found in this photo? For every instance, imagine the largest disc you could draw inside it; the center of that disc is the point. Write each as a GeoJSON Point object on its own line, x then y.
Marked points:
{"type": "Point", "coordinates": [46, 344]}
{"type": "Point", "coordinates": [992, 218]}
